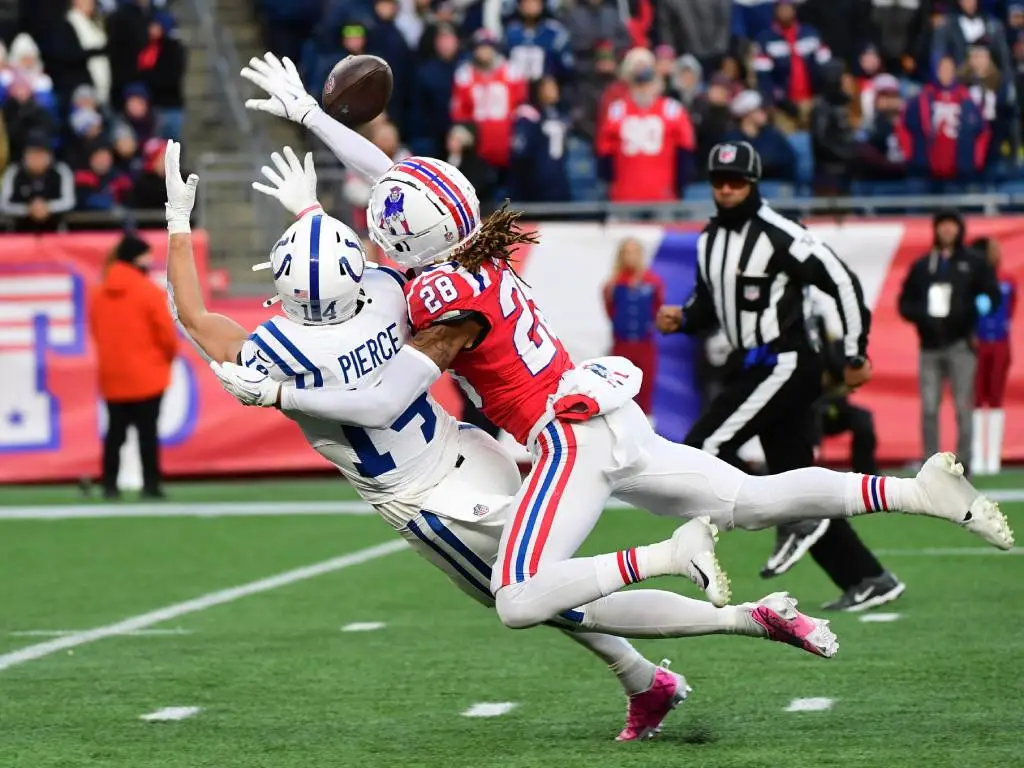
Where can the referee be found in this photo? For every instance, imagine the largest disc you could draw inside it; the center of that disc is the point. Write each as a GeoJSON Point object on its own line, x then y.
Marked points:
{"type": "Point", "coordinates": [753, 268]}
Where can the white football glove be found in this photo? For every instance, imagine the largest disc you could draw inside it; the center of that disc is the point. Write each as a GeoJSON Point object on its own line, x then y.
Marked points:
{"type": "Point", "coordinates": [294, 182]}
{"type": "Point", "coordinates": [247, 385]}
{"type": "Point", "coordinates": [181, 195]}
{"type": "Point", "coordinates": [282, 82]}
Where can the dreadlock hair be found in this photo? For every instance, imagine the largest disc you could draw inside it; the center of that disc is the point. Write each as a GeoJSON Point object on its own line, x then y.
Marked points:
{"type": "Point", "coordinates": [499, 234]}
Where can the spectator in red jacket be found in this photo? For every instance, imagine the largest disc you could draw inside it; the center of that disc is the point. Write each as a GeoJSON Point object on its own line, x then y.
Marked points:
{"type": "Point", "coordinates": [632, 297]}
{"type": "Point", "coordinates": [645, 144]}
{"type": "Point", "coordinates": [486, 94]}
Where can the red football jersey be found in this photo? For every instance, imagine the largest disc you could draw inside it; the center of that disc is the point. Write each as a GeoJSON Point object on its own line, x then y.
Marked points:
{"type": "Point", "coordinates": [643, 143]}
{"type": "Point", "coordinates": [519, 362]}
{"type": "Point", "coordinates": [488, 100]}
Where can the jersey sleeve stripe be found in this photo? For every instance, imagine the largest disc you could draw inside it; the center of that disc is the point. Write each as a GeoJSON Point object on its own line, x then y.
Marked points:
{"type": "Point", "coordinates": [314, 268]}
{"type": "Point", "coordinates": [452, 188]}
{"type": "Point", "coordinates": [277, 360]}
{"type": "Point", "coordinates": [393, 273]}
{"type": "Point", "coordinates": [301, 359]}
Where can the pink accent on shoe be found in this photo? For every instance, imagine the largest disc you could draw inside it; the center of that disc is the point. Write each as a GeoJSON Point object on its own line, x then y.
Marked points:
{"type": "Point", "coordinates": [647, 709]}
{"type": "Point", "coordinates": [801, 631]}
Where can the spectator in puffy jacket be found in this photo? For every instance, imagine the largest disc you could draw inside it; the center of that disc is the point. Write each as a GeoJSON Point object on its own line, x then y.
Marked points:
{"type": "Point", "coordinates": [949, 134]}
{"type": "Point", "coordinates": [432, 94]}
{"type": "Point", "coordinates": [593, 25]}
{"type": "Point", "coordinates": [995, 96]}
{"type": "Point", "coordinates": [37, 190]}
{"type": "Point", "coordinates": [787, 60]}
{"type": "Point", "coordinates": [24, 115]}
{"type": "Point", "coordinates": [24, 64]}
{"type": "Point", "coordinates": [384, 39]}
{"type": "Point", "coordinates": [76, 51]}
{"type": "Point", "coordinates": [138, 111]}
{"type": "Point", "coordinates": [966, 26]}
{"type": "Point", "coordinates": [939, 297]}
{"type": "Point", "coordinates": [539, 172]}
{"type": "Point", "coordinates": [832, 136]}
{"type": "Point", "coordinates": [136, 344]}
{"type": "Point", "coordinates": [162, 71]}
{"type": "Point", "coordinates": [778, 159]}
{"type": "Point", "coordinates": [101, 186]}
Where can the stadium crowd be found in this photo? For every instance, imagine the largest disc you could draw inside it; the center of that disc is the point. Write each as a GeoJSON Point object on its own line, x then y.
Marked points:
{"type": "Point", "coordinates": [540, 99]}
{"type": "Point", "coordinates": [89, 94]}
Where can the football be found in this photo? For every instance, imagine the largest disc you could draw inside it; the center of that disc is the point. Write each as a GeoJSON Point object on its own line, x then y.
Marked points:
{"type": "Point", "coordinates": [357, 89]}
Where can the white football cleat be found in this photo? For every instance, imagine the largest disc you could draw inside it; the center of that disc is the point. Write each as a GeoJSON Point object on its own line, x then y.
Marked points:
{"type": "Point", "coordinates": [949, 495]}
{"type": "Point", "coordinates": [693, 547]}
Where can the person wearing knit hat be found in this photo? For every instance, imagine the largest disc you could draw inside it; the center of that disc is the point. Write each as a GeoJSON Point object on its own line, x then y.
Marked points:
{"type": "Point", "coordinates": [136, 344]}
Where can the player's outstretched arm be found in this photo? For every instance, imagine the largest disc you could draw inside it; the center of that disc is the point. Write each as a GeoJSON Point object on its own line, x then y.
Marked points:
{"type": "Point", "coordinates": [288, 99]}
{"type": "Point", "coordinates": [215, 337]}
{"type": "Point", "coordinates": [411, 373]}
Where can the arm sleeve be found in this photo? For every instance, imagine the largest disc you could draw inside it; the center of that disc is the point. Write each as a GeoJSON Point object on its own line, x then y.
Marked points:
{"type": "Point", "coordinates": [409, 375]}
{"type": "Point", "coordinates": [357, 153]}
{"type": "Point", "coordinates": [699, 310]}
{"type": "Point", "coordinates": [814, 263]}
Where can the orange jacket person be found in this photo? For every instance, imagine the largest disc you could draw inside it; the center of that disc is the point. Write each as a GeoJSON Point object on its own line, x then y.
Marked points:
{"type": "Point", "coordinates": [136, 343]}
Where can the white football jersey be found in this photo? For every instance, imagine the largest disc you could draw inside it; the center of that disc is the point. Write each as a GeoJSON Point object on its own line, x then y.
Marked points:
{"type": "Point", "coordinates": [383, 465]}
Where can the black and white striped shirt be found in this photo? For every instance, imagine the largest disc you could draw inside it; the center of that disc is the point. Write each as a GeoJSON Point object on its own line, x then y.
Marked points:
{"type": "Point", "coordinates": [751, 282]}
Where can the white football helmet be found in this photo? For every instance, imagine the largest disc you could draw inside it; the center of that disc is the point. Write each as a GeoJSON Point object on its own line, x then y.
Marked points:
{"type": "Point", "coordinates": [318, 264]}
{"type": "Point", "coordinates": [421, 211]}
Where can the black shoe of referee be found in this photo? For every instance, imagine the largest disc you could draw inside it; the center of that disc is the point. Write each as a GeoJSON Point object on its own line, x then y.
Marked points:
{"type": "Point", "coordinates": [870, 593]}
{"type": "Point", "coordinates": [792, 541]}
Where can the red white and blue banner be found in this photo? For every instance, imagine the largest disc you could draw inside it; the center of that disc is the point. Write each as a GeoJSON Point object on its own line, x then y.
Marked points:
{"type": "Point", "coordinates": [51, 419]}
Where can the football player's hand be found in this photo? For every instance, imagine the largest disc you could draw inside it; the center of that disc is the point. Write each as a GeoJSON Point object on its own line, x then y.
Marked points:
{"type": "Point", "coordinates": [294, 183]}
{"type": "Point", "coordinates": [181, 195]}
{"type": "Point", "coordinates": [669, 318]}
{"type": "Point", "coordinates": [248, 386]}
{"type": "Point", "coordinates": [283, 84]}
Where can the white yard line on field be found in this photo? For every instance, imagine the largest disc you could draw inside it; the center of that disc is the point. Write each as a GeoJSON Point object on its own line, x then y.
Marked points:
{"type": "Point", "coordinates": [170, 713]}
{"type": "Point", "coordinates": [66, 632]}
{"type": "Point", "coordinates": [949, 552]}
{"type": "Point", "coordinates": [201, 603]}
{"type": "Point", "coordinates": [185, 509]}
{"type": "Point", "coordinates": [879, 618]}
{"type": "Point", "coordinates": [490, 709]}
{"type": "Point", "coordinates": [810, 705]}
{"type": "Point", "coordinates": [363, 626]}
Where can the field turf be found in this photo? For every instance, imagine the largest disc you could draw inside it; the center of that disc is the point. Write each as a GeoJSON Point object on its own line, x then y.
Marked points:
{"type": "Point", "coordinates": [279, 684]}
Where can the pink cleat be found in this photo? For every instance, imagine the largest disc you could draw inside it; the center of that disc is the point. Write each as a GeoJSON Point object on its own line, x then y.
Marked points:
{"type": "Point", "coordinates": [783, 623]}
{"type": "Point", "coordinates": [647, 710]}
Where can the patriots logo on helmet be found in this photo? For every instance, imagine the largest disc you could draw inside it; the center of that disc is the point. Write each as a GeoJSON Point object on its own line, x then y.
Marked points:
{"type": "Point", "coordinates": [393, 214]}
{"type": "Point", "coordinates": [727, 153]}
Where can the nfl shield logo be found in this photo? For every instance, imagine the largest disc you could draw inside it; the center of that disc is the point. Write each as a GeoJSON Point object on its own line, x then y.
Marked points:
{"type": "Point", "coordinates": [751, 292]}
{"type": "Point", "coordinates": [480, 510]}
{"type": "Point", "coordinates": [727, 153]}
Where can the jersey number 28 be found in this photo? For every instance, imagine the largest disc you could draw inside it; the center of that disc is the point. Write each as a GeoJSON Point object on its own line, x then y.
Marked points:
{"type": "Point", "coordinates": [532, 339]}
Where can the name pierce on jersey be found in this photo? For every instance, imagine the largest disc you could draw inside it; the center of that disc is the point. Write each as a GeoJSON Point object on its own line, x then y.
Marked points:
{"type": "Point", "coordinates": [361, 360]}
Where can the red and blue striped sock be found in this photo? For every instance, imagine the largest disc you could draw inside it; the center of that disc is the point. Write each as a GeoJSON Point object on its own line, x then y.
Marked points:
{"type": "Point", "coordinates": [629, 567]}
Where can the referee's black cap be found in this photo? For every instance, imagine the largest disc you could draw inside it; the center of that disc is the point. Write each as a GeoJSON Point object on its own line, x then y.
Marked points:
{"type": "Point", "coordinates": [735, 158]}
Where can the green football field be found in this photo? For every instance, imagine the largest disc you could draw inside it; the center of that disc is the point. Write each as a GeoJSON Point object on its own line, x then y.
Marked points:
{"type": "Point", "coordinates": [106, 619]}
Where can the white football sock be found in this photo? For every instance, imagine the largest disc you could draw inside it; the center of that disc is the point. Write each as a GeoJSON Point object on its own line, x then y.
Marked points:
{"type": "Point", "coordinates": [634, 671]}
{"type": "Point", "coordinates": [653, 613]}
{"type": "Point", "coordinates": [978, 445]}
{"type": "Point", "coordinates": [996, 426]}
